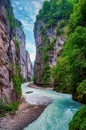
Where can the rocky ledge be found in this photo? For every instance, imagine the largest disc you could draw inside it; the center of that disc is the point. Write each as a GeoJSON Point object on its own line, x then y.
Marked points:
{"type": "Point", "coordinates": [26, 113]}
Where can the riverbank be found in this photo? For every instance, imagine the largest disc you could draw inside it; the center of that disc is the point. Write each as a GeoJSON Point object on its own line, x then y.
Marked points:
{"type": "Point", "coordinates": [26, 114]}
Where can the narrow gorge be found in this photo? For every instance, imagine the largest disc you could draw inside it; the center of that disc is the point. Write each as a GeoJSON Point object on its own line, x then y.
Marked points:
{"type": "Point", "coordinates": [56, 92]}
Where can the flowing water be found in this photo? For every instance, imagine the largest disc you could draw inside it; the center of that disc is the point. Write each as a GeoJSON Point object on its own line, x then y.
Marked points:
{"type": "Point", "coordinates": [57, 115]}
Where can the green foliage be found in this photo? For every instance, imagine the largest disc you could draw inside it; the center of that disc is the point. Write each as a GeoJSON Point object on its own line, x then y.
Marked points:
{"type": "Point", "coordinates": [45, 57]}
{"type": "Point", "coordinates": [42, 12]}
{"type": "Point", "coordinates": [50, 47]}
{"type": "Point", "coordinates": [46, 68]}
{"type": "Point", "coordinates": [53, 41]}
{"type": "Point", "coordinates": [17, 84]}
{"type": "Point", "coordinates": [69, 74]}
{"type": "Point", "coordinates": [71, 67]}
{"type": "Point", "coordinates": [75, 49]}
{"type": "Point", "coordinates": [17, 43]}
{"type": "Point", "coordinates": [78, 18]}
{"type": "Point", "coordinates": [62, 76]}
{"type": "Point", "coordinates": [17, 68]}
{"type": "Point", "coordinates": [79, 120]}
{"type": "Point", "coordinates": [81, 91]}
{"type": "Point", "coordinates": [11, 107]}
{"type": "Point", "coordinates": [54, 11]}
{"type": "Point", "coordinates": [5, 108]}
{"type": "Point", "coordinates": [10, 16]}
{"type": "Point", "coordinates": [59, 31]}
{"type": "Point", "coordinates": [60, 27]}
{"type": "Point", "coordinates": [46, 74]}
{"type": "Point", "coordinates": [46, 40]}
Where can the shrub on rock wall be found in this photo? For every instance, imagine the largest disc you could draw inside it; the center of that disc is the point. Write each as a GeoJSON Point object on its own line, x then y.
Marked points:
{"type": "Point", "coordinates": [5, 108]}
{"type": "Point", "coordinates": [17, 84]}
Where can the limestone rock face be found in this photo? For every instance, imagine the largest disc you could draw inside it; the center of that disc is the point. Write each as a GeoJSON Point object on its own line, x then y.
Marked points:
{"type": "Point", "coordinates": [29, 66]}
{"type": "Point", "coordinates": [48, 47]}
{"type": "Point", "coordinates": [13, 53]}
{"type": "Point", "coordinates": [24, 57]}
{"type": "Point", "coordinates": [6, 85]}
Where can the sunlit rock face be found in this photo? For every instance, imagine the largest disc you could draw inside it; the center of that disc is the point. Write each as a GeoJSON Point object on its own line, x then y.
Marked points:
{"type": "Point", "coordinates": [13, 53]}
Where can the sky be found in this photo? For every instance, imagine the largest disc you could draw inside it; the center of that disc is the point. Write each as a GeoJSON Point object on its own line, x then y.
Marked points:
{"type": "Point", "coordinates": [26, 11]}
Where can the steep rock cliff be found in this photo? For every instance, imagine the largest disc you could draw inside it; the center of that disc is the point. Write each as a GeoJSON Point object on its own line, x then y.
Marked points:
{"type": "Point", "coordinates": [14, 60]}
{"type": "Point", "coordinates": [56, 24]}
{"type": "Point", "coordinates": [24, 58]}
{"type": "Point", "coordinates": [48, 47]}
{"type": "Point", "coordinates": [49, 33]}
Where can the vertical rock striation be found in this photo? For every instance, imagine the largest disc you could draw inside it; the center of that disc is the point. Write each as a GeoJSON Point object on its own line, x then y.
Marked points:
{"type": "Point", "coordinates": [48, 47]}
{"type": "Point", "coordinates": [50, 35]}
{"type": "Point", "coordinates": [14, 59]}
{"type": "Point", "coordinates": [24, 58]}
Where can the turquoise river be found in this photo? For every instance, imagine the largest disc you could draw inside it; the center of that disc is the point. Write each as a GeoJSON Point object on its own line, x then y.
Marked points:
{"type": "Point", "coordinates": [57, 115]}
